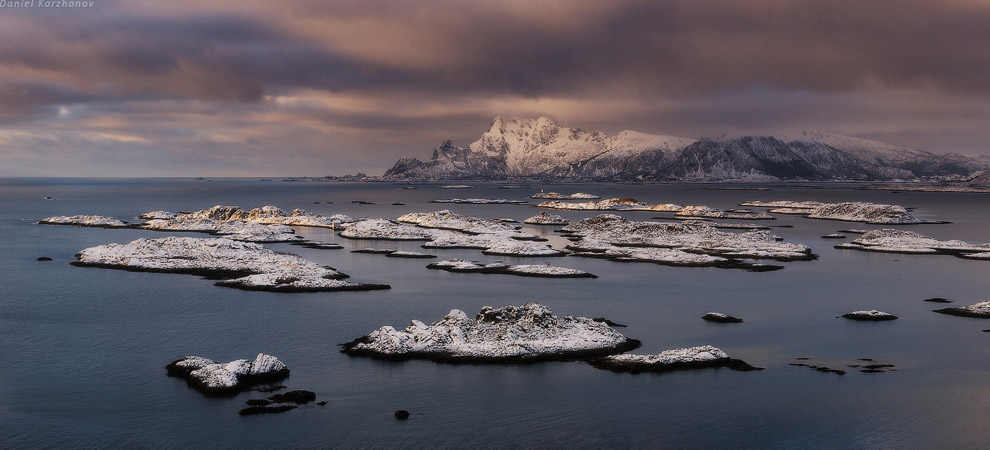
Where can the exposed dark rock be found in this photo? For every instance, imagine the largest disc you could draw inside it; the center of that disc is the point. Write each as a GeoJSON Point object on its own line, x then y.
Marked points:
{"type": "Point", "coordinates": [608, 322]}
{"type": "Point", "coordinates": [871, 315]}
{"type": "Point", "coordinates": [323, 403]}
{"type": "Point", "coordinates": [402, 414]}
{"type": "Point", "coordinates": [43, 258]}
{"type": "Point", "coordinates": [298, 396]}
{"type": "Point", "coordinates": [721, 318]}
{"type": "Point", "coordinates": [937, 300]}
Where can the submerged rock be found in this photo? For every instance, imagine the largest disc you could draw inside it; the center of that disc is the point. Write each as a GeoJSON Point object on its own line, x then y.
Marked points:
{"type": "Point", "coordinates": [701, 357]}
{"type": "Point", "coordinates": [240, 265]}
{"type": "Point", "coordinates": [937, 300]}
{"type": "Point", "coordinates": [979, 310]}
{"type": "Point", "coordinates": [256, 410]}
{"type": "Point", "coordinates": [508, 334]}
{"type": "Point", "coordinates": [721, 318]}
{"type": "Point", "coordinates": [225, 379]}
{"type": "Point", "coordinates": [871, 315]}
{"type": "Point", "coordinates": [298, 396]}
{"type": "Point", "coordinates": [526, 270]}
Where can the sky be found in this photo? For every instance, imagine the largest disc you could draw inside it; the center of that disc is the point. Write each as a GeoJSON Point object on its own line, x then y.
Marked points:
{"type": "Point", "coordinates": [317, 87]}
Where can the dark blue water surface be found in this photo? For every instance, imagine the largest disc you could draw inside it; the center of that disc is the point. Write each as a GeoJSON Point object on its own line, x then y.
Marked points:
{"type": "Point", "coordinates": [83, 350]}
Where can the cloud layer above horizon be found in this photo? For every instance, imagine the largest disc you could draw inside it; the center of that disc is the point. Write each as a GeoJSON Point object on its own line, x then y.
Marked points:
{"type": "Point", "coordinates": [308, 87]}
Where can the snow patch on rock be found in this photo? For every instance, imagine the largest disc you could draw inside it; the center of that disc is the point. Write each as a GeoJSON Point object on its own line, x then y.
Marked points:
{"type": "Point", "coordinates": [508, 334]}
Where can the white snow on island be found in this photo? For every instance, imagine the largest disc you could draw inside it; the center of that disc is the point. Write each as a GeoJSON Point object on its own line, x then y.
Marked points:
{"type": "Point", "coordinates": [265, 224]}
{"type": "Point", "coordinates": [680, 244]}
{"type": "Point", "coordinates": [444, 229]}
{"type": "Point", "coordinates": [870, 315]}
{"type": "Point", "coordinates": [508, 334]}
{"type": "Point", "coordinates": [705, 356]}
{"type": "Point", "coordinates": [545, 218]}
{"type": "Point", "coordinates": [611, 204]}
{"type": "Point", "coordinates": [225, 379]}
{"type": "Point", "coordinates": [875, 213]}
{"type": "Point", "coordinates": [526, 270]}
{"type": "Point", "coordinates": [240, 265]}
{"type": "Point", "coordinates": [559, 196]}
{"type": "Point", "coordinates": [891, 240]}
{"type": "Point", "coordinates": [85, 221]}
{"type": "Point", "coordinates": [480, 201]}
{"type": "Point", "coordinates": [978, 310]}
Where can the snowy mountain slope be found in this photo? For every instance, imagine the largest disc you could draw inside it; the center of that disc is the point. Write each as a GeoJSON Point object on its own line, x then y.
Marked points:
{"type": "Point", "coordinates": [541, 148]}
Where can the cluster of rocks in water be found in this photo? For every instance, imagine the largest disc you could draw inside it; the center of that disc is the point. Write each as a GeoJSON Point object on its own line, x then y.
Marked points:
{"type": "Point", "coordinates": [694, 244]}
{"type": "Point", "coordinates": [874, 213]}
{"type": "Point", "coordinates": [864, 365]}
{"type": "Point", "coordinates": [899, 241]}
{"type": "Point", "coordinates": [529, 333]}
{"type": "Point", "coordinates": [445, 229]}
{"type": "Point", "coordinates": [215, 379]}
{"type": "Point", "coordinates": [241, 265]}
{"type": "Point", "coordinates": [631, 204]}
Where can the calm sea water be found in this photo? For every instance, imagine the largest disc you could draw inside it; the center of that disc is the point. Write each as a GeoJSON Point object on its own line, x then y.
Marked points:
{"type": "Point", "coordinates": [83, 350]}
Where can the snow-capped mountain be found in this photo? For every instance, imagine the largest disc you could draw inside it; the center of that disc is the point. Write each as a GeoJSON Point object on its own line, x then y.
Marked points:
{"type": "Point", "coordinates": [513, 148]}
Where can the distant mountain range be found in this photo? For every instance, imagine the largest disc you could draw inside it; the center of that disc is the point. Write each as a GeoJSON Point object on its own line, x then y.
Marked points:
{"type": "Point", "coordinates": [539, 148]}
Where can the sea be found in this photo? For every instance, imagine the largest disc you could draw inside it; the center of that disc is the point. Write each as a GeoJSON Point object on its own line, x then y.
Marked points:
{"type": "Point", "coordinates": [83, 350]}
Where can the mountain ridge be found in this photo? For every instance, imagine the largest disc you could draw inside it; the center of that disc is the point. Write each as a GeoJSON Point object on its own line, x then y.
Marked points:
{"type": "Point", "coordinates": [540, 148]}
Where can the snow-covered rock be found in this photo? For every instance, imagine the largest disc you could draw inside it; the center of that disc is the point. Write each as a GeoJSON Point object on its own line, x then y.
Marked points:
{"type": "Point", "coordinates": [686, 244]}
{"type": "Point", "coordinates": [891, 240]}
{"type": "Point", "coordinates": [718, 317]}
{"type": "Point", "coordinates": [265, 224]}
{"type": "Point", "coordinates": [480, 201]}
{"type": "Point", "coordinates": [875, 213]}
{"type": "Point", "coordinates": [704, 211]}
{"type": "Point", "coordinates": [870, 315]}
{"type": "Point", "coordinates": [700, 357]}
{"type": "Point", "coordinates": [979, 310]}
{"type": "Point", "coordinates": [508, 334]}
{"type": "Point", "coordinates": [223, 379]}
{"type": "Point", "coordinates": [85, 221]}
{"type": "Point", "coordinates": [611, 204]}
{"type": "Point", "coordinates": [559, 196]}
{"type": "Point", "coordinates": [545, 218]}
{"type": "Point", "coordinates": [448, 220]}
{"type": "Point", "coordinates": [526, 270]}
{"type": "Point", "coordinates": [240, 264]}
{"type": "Point", "coordinates": [444, 229]}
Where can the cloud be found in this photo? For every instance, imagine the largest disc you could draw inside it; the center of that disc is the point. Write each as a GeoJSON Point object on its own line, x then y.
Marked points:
{"type": "Point", "coordinates": [359, 83]}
